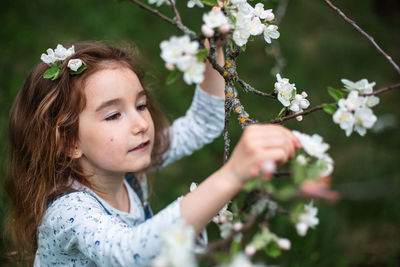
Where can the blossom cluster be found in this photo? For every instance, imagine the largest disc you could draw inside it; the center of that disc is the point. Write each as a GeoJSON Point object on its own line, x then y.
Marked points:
{"type": "Point", "coordinates": [55, 57]}
{"type": "Point", "coordinates": [307, 219]}
{"type": "Point", "coordinates": [315, 147]}
{"type": "Point", "coordinates": [252, 21]}
{"type": "Point", "coordinates": [287, 95]}
{"type": "Point", "coordinates": [181, 53]}
{"type": "Point", "coordinates": [354, 112]}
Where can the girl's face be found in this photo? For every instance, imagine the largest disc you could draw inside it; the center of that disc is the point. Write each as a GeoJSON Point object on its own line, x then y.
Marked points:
{"type": "Point", "coordinates": [116, 131]}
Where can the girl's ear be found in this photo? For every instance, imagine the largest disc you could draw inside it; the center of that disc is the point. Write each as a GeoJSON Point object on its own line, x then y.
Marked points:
{"type": "Point", "coordinates": [76, 153]}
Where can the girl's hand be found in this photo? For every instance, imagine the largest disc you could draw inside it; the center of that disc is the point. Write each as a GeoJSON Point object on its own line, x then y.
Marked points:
{"type": "Point", "coordinates": [259, 144]}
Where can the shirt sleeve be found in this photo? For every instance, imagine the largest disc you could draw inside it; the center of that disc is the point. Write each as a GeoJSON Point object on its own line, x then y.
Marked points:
{"type": "Point", "coordinates": [77, 222]}
{"type": "Point", "coordinates": [202, 123]}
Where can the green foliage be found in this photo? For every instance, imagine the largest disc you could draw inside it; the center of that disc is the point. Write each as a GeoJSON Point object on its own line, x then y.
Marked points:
{"type": "Point", "coordinates": [335, 93]}
{"type": "Point", "coordinates": [173, 77]}
{"type": "Point", "coordinates": [329, 108]}
{"type": "Point", "coordinates": [210, 2]}
{"type": "Point", "coordinates": [52, 73]}
{"type": "Point", "coordinates": [202, 54]}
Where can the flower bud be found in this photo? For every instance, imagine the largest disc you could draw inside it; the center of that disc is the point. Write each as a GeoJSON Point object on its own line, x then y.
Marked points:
{"type": "Point", "coordinates": [223, 218]}
{"type": "Point", "coordinates": [269, 166]}
{"type": "Point", "coordinates": [299, 118]}
{"type": "Point", "coordinates": [207, 31]}
{"type": "Point", "coordinates": [301, 228]}
{"type": "Point", "coordinates": [250, 250]}
{"type": "Point", "coordinates": [169, 66]}
{"type": "Point", "coordinates": [270, 16]}
{"type": "Point", "coordinates": [215, 219]}
{"type": "Point", "coordinates": [284, 243]}
{"type": "Point", "coordinates": [237, 226]}
{"type": "Point", "coordinates": [304, 94]}
{"type": "Point", "coordinates": [224, 28]}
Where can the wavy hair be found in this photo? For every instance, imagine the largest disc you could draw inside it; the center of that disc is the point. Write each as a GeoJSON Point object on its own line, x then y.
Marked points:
{"type": "Point", "coordinates": [43, 130]}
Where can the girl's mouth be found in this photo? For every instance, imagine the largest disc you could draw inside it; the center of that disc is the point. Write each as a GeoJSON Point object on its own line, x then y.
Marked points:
{"type": "Point", "coordinates": [141, 147]}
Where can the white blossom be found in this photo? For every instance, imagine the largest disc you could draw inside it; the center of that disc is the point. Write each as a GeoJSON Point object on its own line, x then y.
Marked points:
{"type": "Point", "coordinates": [49, 57]}
{"type": "Point", "coordinates": [299, 103]}
{"type": "Point", "coordinates": [240, 260]}
{"type": "Point", "coordinates": [327, 162]}
{"type": "Point", "coordinates": [345, 120]}
{"type": "Point", "coordinates": [74, 64]}
{"type": "Point", "coordinates": [61, 53]}
{"type": "Point", "coordinates": [301, 159]}
{"type": "Point", "coordinates": [207, 31]}
{"type": "Point", "coordinates": [284, 89]}
{"type": "Point", "coordinates": [177, 246]}
{"type": "Point", "coordinates": [362, 86]}
{"type": "Point", "coordinates": [307, 219]}
{"type": "Point", "coordinates": [256, 27]}
{"type": "Point", "coordinates": [271, 32]}
{"type": "Point", "coordinates": [372, 101]}
{"type": "Point", "coordinates": [241, 36]}
{"type": "Point", "coordinates": [238, 2]}
{"type": "Point", "coordinates": [192, 3]}
{"type": "Point", "coordinates": [160, 2]}
{"type": "Point", "coordinates": [215, 18]}
{"type": "Point", "coordinates": [194, 73]}
{"type": "Point", "coordinates": [352, 102]}
{"type": "Point", "coordinates": [364, 119]}
{"type": "Point", "coordinates": [313, 145]}
{"type": "Point", "coordinates": [260, 12]}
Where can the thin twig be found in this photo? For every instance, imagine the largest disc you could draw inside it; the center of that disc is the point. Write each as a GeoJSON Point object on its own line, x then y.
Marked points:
{"type": "Point", "coordinates": [370, 38]}
{"type": "Point", "coordinates": [248, 88]}
{"type": "Point", "coordinates": [177, 16]}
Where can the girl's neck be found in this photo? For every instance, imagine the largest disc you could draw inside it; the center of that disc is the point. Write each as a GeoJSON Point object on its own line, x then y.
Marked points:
{"type": "Point", "coordinates": [112, 190]}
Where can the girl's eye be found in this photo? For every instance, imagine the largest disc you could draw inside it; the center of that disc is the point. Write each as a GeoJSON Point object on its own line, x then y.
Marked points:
{"type": "Point", "coordinates": [142, 107]}
{"type": "Point", "coordinates": [113, 117]}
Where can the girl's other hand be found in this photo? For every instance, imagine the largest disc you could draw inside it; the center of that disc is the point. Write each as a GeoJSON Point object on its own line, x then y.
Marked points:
{"type": "Point", "coordinates": [260, 144]}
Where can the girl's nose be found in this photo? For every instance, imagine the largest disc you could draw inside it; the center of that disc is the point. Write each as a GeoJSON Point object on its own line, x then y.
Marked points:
{"type": "Point", "coordinates": [139, 124]}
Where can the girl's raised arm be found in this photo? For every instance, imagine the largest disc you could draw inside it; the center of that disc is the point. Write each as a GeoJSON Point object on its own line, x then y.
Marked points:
{"type": "Point", "coordinates": [259, 143]}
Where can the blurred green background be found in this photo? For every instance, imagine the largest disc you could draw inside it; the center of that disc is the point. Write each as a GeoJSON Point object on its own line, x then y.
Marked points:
{"type": "Point", "coordinates": [319, 48]}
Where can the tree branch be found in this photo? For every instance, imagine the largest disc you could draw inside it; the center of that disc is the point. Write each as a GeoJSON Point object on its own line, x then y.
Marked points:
{"type": "Point", "coordinates": [308, 111]}
{"type": "Point", "coordinates": [370, 38]}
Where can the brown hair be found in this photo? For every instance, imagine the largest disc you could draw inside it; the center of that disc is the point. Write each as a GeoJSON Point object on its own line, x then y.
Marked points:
{"type": "Point", "coordinates": [43, 130]}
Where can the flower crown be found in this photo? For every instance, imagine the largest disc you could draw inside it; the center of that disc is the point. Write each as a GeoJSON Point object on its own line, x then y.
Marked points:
{"type": "Point", "coordinates": [54, 58]}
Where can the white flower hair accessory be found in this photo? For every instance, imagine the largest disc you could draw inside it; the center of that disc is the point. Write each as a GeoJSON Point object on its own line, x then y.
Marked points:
{"type": "Point", "coordinates": [54, 58]}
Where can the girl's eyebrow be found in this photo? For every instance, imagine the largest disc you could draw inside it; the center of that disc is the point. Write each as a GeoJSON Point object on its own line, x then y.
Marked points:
{"type": "Point", "coordinates": [116, 101]}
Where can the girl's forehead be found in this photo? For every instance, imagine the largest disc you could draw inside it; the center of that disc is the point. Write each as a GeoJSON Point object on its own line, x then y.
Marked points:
{"type": "Point", "coordinates": [110, 83]}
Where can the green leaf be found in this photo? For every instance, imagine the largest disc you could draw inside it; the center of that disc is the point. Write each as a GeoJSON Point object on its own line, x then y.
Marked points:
{"type": "Point", "coordinates": [335, 93]}
{"type": "Point", "coordinates": [329, 108]}
{"type": "Point", "coordinates": [235, 248]}
{"type": "Point", "coordinates": [272, 250]}
{"type": "Point", "coordinates": [173, 76]}
{"type": "Point", "coordinates": [78, 71]}
{"type": "Point", "coordinates": [52, 73]}
{"type": "Point", "coordinates": [232, 45]}
{"type": "Point", "coordinates": [314, 170]}
{"type": "Point", "coordinates": [244, 48]}
{"type": "Point", "coordinates": [202, 54]}
{"type": "Point", "coordinates": [210, 2]}
{"type": "Point", "coordinates": [280, 114]}
{"type": "Point", "coordinates": [299, 171]}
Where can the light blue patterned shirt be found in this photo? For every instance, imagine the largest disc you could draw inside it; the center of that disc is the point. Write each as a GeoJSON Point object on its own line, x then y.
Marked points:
{"type": "Point", "coordinates": [82, 229]}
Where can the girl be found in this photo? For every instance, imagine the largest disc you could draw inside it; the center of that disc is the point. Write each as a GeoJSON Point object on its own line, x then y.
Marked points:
{"type": "Point", "coordinates": [81, 143]}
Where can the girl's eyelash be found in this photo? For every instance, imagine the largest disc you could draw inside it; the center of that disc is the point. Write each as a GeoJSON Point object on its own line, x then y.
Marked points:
{"type": "Point", "coordinates": [113, 116]}
{"type": "Point", "coordinates": [142, 107]}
